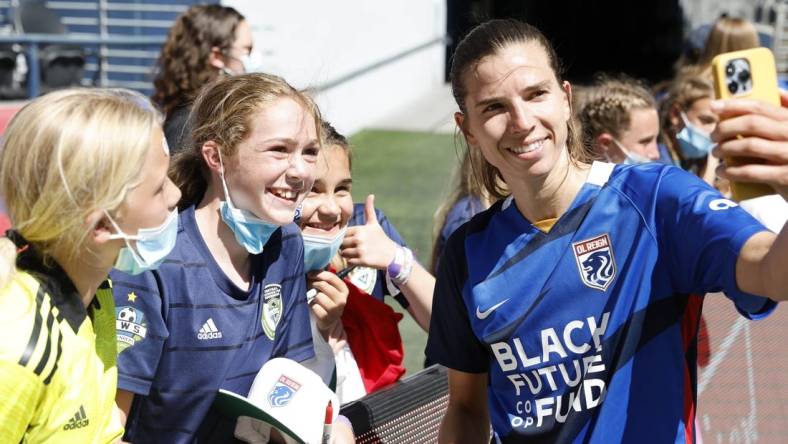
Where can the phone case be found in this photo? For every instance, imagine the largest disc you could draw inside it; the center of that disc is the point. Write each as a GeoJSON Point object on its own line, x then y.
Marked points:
{"type": "Point", "coordinates": [762, 78]}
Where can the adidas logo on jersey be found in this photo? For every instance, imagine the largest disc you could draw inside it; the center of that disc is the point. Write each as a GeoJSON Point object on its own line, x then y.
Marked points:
{"type": "Point", "coordinates": [79, 420]}
{"type": "Point", "coordinates": [209, 331]}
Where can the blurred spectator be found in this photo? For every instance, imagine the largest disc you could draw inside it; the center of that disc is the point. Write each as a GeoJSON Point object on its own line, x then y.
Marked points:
{"type": "Point", "coordinates": [687, 120]}
{"type": "Point", "coordinates": [204, 42]}
{"type": "Point", "coordinates": [729, 34]}
{"type": "Point", "coordinates": [620, 121]}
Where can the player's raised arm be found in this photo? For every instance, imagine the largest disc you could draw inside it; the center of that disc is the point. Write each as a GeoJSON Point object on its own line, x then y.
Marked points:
{"type": "Point", "coordinates": [763, 128]}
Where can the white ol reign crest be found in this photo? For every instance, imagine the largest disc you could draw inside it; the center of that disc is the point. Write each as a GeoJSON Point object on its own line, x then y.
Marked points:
{"type": "Point", "coordinates": [595, 261]}
{"type": "Point", "coordinates": [272, 309]}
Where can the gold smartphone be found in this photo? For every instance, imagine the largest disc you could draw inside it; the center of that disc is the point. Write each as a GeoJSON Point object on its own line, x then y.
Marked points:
{"type": "Point", "coordinates": [750, 74]}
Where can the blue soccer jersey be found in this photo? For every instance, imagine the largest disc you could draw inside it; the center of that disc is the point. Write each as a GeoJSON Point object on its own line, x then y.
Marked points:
{"type": "Point", "coordinates": [588, 332]}
{"type": "Point", "coordinates": [186, 330]}
{"type": "Point", "coordinates": [370, 280]}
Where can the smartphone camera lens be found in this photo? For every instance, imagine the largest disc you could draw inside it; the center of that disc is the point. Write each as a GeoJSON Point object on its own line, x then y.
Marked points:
{"type": "Point", "coordinates": [730, 69]}
{"type": "Point", "coordinates": [733, 87]}
{"type": "Point", "coordinates": [744, 76]}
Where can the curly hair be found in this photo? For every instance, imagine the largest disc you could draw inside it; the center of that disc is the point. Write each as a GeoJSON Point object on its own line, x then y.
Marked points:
{"type": "Point", "coordinates": [608, 105]}
{"type": "Point", "coordinates": [183, 68]}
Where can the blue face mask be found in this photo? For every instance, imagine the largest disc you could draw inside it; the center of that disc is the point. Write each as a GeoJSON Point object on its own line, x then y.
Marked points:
{"type": "Point", "coordinates": [249, 230]}
{"type": "Point", "coordinates": [152, 246]}
{"type": "Point", "coordinates": [318, 250]}
{"type": "Point", "coordinates": [694, 143]}
{"type": "Point", "coordinates": [631, 157]}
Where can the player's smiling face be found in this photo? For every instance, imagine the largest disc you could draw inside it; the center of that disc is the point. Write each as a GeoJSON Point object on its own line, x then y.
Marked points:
{"type": "Point", "coordinates": [516, 111]}
{"type": "Point", "coordinates": [274, 167]}
{"type": "Point", "coordinates": [329, 205]}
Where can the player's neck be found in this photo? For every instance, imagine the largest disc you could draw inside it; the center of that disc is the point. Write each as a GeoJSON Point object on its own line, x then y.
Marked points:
{"type": "Point", "coordinates": [550, 196]}
{"type": "Point", "coordinates": [85, 277]}
{"type": "Point", "coordinates": [231, 256]}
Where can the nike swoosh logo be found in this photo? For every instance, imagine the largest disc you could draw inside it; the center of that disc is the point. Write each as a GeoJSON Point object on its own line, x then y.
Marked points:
{"type": "Point", "coordinates": [483, 314]}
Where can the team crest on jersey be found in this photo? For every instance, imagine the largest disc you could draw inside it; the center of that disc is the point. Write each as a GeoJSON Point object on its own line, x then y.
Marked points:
{"type": "Point", "coordinates": [282, 392]}
{"type": "Point", "coordinates": [272, 309]}
{"type": "Point", "coordinates": [364, 278]}
{"type": "Point", "coordinates": [130, 326]}
{"type": "Point", "coordinates": [595, 261]}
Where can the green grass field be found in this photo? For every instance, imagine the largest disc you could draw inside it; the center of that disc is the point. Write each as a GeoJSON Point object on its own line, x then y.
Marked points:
{"type": "Point", "coordinates": [409, 173]}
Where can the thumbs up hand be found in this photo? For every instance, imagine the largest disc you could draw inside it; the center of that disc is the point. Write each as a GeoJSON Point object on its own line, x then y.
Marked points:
{"type": "Point", "coordinates": [367, 245]}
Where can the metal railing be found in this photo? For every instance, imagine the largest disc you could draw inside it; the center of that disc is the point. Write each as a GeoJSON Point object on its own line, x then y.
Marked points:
{"type": "Point", "coordinates": [32, 43]}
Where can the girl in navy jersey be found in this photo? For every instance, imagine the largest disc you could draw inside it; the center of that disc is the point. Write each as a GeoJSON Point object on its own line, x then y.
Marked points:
{"type": "Point", "coordinates": [231, 295]}
{"type": "Point", "coordinates": [562, 311]}
{"type": "Point", "coordinates": [359, 238]}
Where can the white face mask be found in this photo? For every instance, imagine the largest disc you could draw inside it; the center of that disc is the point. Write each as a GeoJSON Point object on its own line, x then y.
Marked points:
{"type": "Point", "coordinates": [152, 245]}
{"type": "Point", "coordinates": [252, 62]}
{"type": "Point", "coordinates": [250, 231]}
{"type": "Point", "coordinates": [630, 157]}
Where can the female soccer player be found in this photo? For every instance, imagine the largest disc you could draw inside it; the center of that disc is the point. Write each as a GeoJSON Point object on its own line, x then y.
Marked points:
{"type": "Point", "coordinates": [84, 179]}
{"type": "Point", "coordinates": [231, 295]}
{"type": "Point", "coordinates": [562, 311]}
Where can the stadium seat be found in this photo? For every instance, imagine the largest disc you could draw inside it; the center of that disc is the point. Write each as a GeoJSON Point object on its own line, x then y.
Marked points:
{"type": "Point", "coordinates": [61, 65]}
{"type": "Point", "coordinates": [7, 67]}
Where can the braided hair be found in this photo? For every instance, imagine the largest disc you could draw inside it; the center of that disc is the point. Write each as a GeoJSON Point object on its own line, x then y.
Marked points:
{"type": "Point", "coordinates": [608, 105]}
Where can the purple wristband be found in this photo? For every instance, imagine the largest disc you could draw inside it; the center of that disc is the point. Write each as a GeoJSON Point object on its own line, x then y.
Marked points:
{"type": "Point", "coordinates": [395, 267]}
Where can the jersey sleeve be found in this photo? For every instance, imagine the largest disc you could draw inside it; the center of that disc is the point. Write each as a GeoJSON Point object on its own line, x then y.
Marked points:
{"type": "Point", "coordinates": [451, 340]}
{"type": "Point", "coordinates": [20, 390]}
{"type": "Point", "coordinates": [703, 233]}
{"type": "Point", "coordinates": [141, 329]}
{"type": "Point", "coordinates": [294, 335]}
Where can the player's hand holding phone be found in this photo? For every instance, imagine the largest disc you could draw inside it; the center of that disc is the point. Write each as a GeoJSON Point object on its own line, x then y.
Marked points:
{"type": "Point", "coordinates": [757, 120]}
{"type": "Point", "coordinates": [754, 129]}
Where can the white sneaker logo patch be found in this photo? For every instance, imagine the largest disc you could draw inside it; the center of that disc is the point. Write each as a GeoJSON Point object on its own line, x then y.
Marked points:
{"type": "Point", "coordinates": [484, 314]}
{"type": "Point", "coordinates": [209, 331]}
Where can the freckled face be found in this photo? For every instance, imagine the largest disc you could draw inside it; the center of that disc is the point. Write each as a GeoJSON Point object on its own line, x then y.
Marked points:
{"type": "Point", "coordinates": [517, 112]}
{"type": "Point", "coordinates": [328, 207]}
{"type": "Point", "coordinates": [274, 167]}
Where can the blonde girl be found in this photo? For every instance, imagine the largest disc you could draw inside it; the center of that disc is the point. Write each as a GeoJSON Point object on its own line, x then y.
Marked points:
{"type": "Point", "coordinates": [84, 178]}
